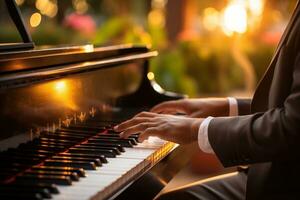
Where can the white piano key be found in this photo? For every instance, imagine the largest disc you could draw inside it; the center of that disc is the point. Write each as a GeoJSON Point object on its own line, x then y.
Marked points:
{"type": "Point", "coordinates": [116, 172]}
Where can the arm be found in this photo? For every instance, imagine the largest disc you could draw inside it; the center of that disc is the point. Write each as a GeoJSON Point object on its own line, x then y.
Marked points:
{"type": "Point", "coordinates": [270, 136]}
{"type": "Point", "coordinates": [244, 106]}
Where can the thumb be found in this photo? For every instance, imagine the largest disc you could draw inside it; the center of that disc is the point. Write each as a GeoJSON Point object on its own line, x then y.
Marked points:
{"type": "Point", "coordinates": [147, 133]}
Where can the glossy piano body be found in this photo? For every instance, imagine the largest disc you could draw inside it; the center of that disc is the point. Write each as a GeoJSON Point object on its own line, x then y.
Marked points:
{"type": "Point", "coordinates": [46, 90]}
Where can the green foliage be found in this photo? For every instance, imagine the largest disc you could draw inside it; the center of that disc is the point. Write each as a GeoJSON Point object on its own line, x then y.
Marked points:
{"type": "Point", "coordinates": [199, 66]}
{"type": "Point", "coordinates": [170, 72]}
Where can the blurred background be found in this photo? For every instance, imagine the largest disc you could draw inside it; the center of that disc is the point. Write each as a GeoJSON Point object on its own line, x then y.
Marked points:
{"type": "Point", "coordinates": [206, 47]}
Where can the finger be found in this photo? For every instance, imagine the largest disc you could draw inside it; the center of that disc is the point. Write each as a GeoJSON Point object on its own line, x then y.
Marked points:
{"type": "Point", "coordinates": [198, 114]}
{"type": "Point", "coordinates": [153, 131]}
{"type": "Point", "coordinates": [145, 114]}
{"type": "Point", "coordinates": [168, 105]}
{"type": "Point", "coordinates": [132, 122]}
{"type": "Point", "coordinates": [136, 129]}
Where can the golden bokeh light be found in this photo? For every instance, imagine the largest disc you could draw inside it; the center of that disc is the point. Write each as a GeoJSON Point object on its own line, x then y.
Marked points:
{"type": "Point", "coordinates": [35, 19]}
{"type": "Point", "coordinates": [157, 18]}
{"type": "Point", "coordinates": [19, 2]}
{"type": "Point", "coordinates": [211, 18]}
{"type": "Point", "coordinates": [60, 91]}
{"type": "Point", "coordinates": [88, 48]}
{"type": "Point", "coordinates": [256, 6]}
{"type": "Point", "coordinates": [47, 7]}
{"type": "Point", "coordinates": [81, 6]}
{"type": "Point", "coordinates": [234, 19]}
{"type": "Point", "coordinates": [160, 4]}
{"type": "Point", "coordinates": [150, 75]}
{"type": "Point", "coordinates": [60, 86]}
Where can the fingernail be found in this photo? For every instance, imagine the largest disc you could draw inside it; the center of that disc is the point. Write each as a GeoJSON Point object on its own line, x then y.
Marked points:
{"type": "Point", "coordinates": [116, 127]}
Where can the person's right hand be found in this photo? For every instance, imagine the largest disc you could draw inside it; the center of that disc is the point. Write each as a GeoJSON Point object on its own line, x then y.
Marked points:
{"type": "Point", "coordinates": [202, 107]}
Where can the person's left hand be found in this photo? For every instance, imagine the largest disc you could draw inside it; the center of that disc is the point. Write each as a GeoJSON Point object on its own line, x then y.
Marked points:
{"type": "Point", "coordinates": [178, 129]}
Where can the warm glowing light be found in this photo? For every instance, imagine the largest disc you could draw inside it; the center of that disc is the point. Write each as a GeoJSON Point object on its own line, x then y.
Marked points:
{"type": "Point", "coordinates": [62, 92]}
{"type": "Point", "coordinates": [88, 48]}
{"type": "Point", "coordinates": [211, 18]}
{"type": "Point", "coordinates": [150, 75]}
{"type": "Point", "coordinates": [35, 19]}
{"type": "Point", "coordinates": [19, 2]}
{"type": "Point", "coordinates": [81, 6]}
{"type": "Point", "coordinates": [60, 86]}
{"type": "Point", "coordinates": [256, 6]}
{"type": "Point", "coordinates": [156, 17]}
{"type": "Point", "coordinates": [234, 19]}
{"type": "Point", "coordinates": [47, 7]}
{"type": "Point", "coordinates": [158, 3]}
{"type": "Point", "coordinates": [41, 4]}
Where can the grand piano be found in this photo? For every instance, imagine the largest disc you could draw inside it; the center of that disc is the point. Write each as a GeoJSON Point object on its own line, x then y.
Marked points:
{"type": "Point", "coordinates": [57, 110]}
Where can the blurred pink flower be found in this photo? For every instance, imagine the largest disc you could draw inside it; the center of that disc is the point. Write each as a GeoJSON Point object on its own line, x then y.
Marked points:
{"type": "Point", "coordinates": [85, 24]}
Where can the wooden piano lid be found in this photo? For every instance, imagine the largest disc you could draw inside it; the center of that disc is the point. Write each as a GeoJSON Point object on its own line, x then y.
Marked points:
{"type": "Point", "coordinates": [16, 57]}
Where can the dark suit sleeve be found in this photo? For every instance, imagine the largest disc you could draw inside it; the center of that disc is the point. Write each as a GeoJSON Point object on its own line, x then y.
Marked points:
{"type": "Point", "coordinates": [244, 106]}
{"type": "Point", "coordinates": [273, 135]}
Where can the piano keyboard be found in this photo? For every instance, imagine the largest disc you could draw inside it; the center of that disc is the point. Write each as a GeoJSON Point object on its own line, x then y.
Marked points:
{"type": "Point", "coordinates": [87, 161]}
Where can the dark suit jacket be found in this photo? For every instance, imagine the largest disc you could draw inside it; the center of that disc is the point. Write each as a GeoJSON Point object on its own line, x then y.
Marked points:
{"type": "Point", "coordinates": [268, 136]}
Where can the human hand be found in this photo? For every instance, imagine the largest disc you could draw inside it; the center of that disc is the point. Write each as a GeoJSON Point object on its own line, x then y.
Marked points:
{"type": "Point", "coordinates": [178, 129]}
{"type": "Point", "coordinates": [202, 107]}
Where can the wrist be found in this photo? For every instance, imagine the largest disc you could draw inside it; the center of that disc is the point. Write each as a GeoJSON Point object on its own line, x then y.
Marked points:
{"type": "Point", "coordinates": [195, 128]}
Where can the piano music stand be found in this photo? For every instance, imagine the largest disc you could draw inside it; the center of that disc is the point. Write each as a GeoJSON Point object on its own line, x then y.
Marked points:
{"type": "Point", "coordinates": [15, 15]}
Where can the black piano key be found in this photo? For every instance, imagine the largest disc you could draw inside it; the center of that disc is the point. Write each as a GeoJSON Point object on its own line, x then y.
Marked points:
{"type": "Point", "coordinates": [52, 142]}
{"type": "Point", "coordinates": [111, 132]}
{"type": "Point", "coordinates": [45, 193]}
{"type": "Point", "coordinates": [87, 146]}
{"type": "Point", "coordinates": [52, 188]}
{"type": "Point", "coordinates": [73, 175]}
{"type": "Point", "coordinates": [102, 158]}
{"type": "Point", "coordinates": [79, 171]}
{"type": "Point", "coordinates": [132, 138]}
{"type": "Point", "coordinates": [54, 148]}
{"type": "Point", "coordinates": [107, 153]}
{"type": "Point", "coordinates": [25, 154]}
{"type": "Point", "coordinates": [65, 145]}
{"type": "Point", "coordinates": [63, 137]}
{"type": "Point", "coordinates": [67, 163]}
{"type": "Point", "coordinates": [20, 160]}
{"type": "Point", "coordinates": [59, 180]}
{"type": "Point", "coordinates": [45, 139]}
{"type": "Point", "coordinates": [73, 134]}
{"type": "Point", "coordinates": [105, 144]}
{"type": "Point", "coordinates": [17, 196]}
{"type": "Point", "coordinates": [34, 151]}
{"type": "Point", "coordinates": [122, 142]}
{"type": "Point", "coordinates": [83, 127]}
{"type": "Point", "coordinates": [19, 166]}
{"type": "Point", "coordinates": [70, 158]}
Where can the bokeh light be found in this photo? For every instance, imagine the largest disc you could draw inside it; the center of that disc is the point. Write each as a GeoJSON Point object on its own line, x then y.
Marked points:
{"type": "Point", "coordinates": [234, 19]}
{"type": "Point", "coordinates": [35, 19]}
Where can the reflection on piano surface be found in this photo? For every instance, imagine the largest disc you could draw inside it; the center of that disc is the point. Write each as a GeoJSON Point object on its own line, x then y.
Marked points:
{"type": "Point", "coordinates": [56, 124]}
{"type": "Point", "coordinates": [57, 109]}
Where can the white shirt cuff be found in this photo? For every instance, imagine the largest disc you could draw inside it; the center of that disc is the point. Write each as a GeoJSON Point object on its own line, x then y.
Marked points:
{"type": "Point", "coordinates": [233, 107]}
{"type": "Point", "coordinates": [203, 136]}
{"type": "Point", "coordinates": [203, 141]}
